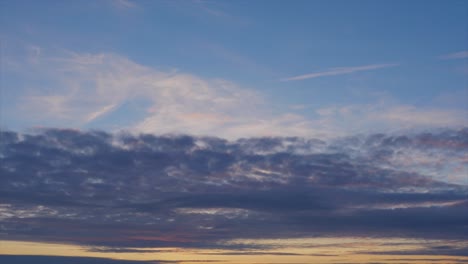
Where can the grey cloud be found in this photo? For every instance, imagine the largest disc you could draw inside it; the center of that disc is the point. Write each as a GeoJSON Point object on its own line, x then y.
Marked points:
{"type": "Point", "coordinates": [17, 259]}
{"type": "Point", "coordinates": [433, 251]}
{"type": "Point", "coordinates": [122, 190]}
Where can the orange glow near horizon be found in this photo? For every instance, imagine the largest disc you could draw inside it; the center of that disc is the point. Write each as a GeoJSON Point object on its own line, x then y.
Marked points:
{"type": "Point", "coordinates": [310, 250]}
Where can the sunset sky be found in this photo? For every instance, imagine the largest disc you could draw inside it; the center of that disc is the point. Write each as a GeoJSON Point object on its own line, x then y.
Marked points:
{"type": "Point", "coordinates": [242, 131]}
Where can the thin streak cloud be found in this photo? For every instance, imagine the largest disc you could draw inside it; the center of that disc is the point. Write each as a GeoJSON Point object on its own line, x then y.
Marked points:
{"type": "Point", "coordinates": [339, 71]}
{"type": "Point", "coordinates": [101, 112]}
{"type": "Point", "coordinates": [456, 55]}
{"type": "Point", "coordinates": [124, 4]}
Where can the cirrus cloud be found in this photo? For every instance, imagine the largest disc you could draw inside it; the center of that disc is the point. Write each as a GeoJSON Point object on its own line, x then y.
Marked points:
{"type": "Point", "coordinates": [113, 92]}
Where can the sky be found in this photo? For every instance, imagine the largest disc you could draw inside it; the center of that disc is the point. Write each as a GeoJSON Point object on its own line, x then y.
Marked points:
{"type": "Point", "coordinates": [233, 131]}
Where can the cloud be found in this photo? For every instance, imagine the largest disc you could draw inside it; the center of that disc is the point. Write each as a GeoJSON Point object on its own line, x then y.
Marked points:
{"type": "Point", "coordinates": [123, 190]}
{"type": "Point", "coordinates": [84, 87]}
{"type": "Point", "coordinates": [201, 9]}
{"type": "Point", "coordinates": [22, 259]}
{"type": "Point", "coordinates": [98, 84]}
{"type": "Point", "coordinates": [100, 112]}
{"type": "Point", "coordinates": [108, 91]}
{"type": "Point", "coordinates": [456, 55]}
{"type": "Point", "coordinates": [444, 250]}
{"type": "Point", "coordinates": [339, 71]}
{"type": "Point", "coordinates": [381, 116]}
{"type": "Point", "coordinates": [123, 4]}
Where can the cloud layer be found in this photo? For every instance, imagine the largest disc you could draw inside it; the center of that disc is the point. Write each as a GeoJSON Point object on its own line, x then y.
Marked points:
{"type": "Point", "coordinates": [21, 259]}
{"type": "Point", "coordinates": [111, 92]}
{"type": "Point", "coordinates": [123, 190]}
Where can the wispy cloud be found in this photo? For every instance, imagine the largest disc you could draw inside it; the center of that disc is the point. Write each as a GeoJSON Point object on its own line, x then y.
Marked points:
{"type": "Point", "coordinates": [384, 116]}
{"type": "Point", "coordinates": [339, 71]}
{"type": "Point", "coordinates": [84, 87]}
{"type": "Point", "coordinates": [124, 4]}
{"type": "Point", "coordinates": [217, 10]}
{"type": "Point", "coordinates": [101, 112]}
{"type": "Point", "coordinates": [454, 56]}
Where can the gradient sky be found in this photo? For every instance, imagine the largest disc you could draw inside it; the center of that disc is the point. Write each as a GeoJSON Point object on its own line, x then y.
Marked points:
{"type": "Point", "coordinates": [234, 131]}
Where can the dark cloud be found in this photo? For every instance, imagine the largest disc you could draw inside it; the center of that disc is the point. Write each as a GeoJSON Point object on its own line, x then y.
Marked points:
{"type": "Point", "coordinates": [447, 250]}
{"type": "Point", "coordinates": [121, 190]}
{"type": "Point", "coordinates": [17, 259]}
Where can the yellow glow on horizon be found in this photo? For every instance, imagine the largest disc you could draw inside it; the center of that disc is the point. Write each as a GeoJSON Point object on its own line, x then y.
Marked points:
{"type": "Point", "coordinates": [307, 250]}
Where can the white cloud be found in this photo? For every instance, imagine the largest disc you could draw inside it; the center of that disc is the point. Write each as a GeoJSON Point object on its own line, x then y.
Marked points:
{"type": "Point", "coordinates": [46, 106]}
{"type": "Point", "coordinates": [123, 4]}
{"type": "Point", "coordinates": [456, 55]}
{"type": "Point", "coordinates": [85, 87]}
{"type": "Point", "coordinates": [410, 116]}
{"type": "Point", "coordinates": [339, 71]}
{"type": "Point", "coordinates": [34, 53]}
{"type": "Point", "coordinates": [100, 112]}
{"type": "Point", "coordinates": [385, 117]}
{"type": "Point", "coordinates": [90, 86]}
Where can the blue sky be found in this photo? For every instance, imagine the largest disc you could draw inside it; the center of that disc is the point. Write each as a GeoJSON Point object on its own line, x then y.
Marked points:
{"type": "Point", "coordinates": [404, 60]}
